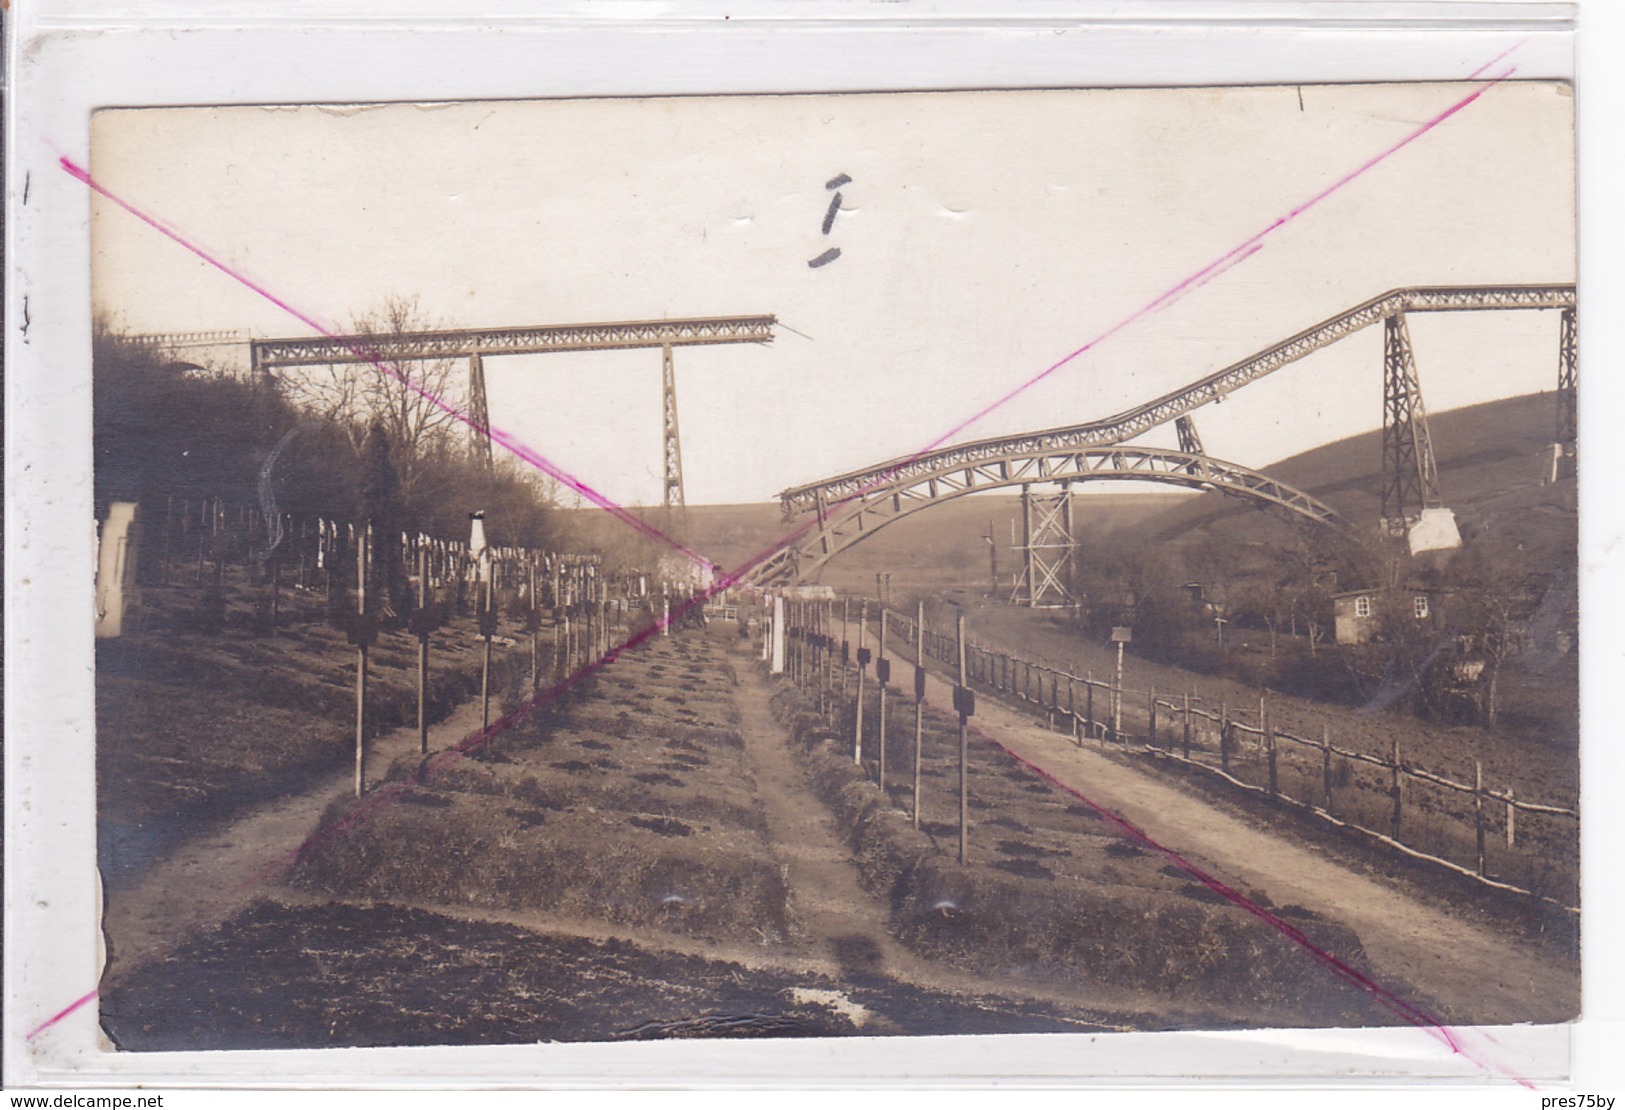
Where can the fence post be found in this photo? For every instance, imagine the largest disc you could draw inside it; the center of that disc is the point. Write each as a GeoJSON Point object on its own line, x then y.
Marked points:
{"type": "Point", "coordinates": [1512, 816]}
{"type": "Point", "coordinates": [1224, 738]}
{"type": "Point", "coordinates": [962, 696]}
{"type": "Point", "coordinates": [535, 622]}
{"type": "Point", "coordinates": [1089, 702]}
{"type": "Point", "coordinates": [1478, 810]}
{"type": "Point", "coordinates": [1268, 738]}
{"type": "Point", "coordinates": [361, 663]}
{"type": "Point", "coordinates": [276, 591]}
{"type": "Point", "coordinates": [863, 669]}
{"type": "Point", "coordinates": [1072, 704]}
{"type": "Point", "coordinates": [169, 528]}
{"type": "Point", "coordinates": [1151, 717]}
{"type": "Point", "coordinates": [1326, 765]}
{"type": "Point", "coordinates": [423, 652]}
{"type": "Point", "coordinates": [919, 705]}
{"type": "Point", "coordinates": [882, 676]}
{"type": "Point", "coordinates": [1187, 725]}
{"type": "Point", "coordinates": [486, 631]}
{"type": "Point", "coordinates": [1393, 821]}
{"type": "Point", "coordinates": [821, 659]}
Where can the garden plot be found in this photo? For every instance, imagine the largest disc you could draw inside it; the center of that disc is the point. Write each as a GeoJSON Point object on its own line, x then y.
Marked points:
{"type": "Point", "coordinates": [627, 802]}
{"type": "Point", "coordinates": [1051, 890]}
{"type": "Point", "coordinates": [194, 727]}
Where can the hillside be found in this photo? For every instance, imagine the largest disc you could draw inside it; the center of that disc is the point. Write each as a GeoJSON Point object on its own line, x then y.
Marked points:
{"type": "Point", "coordinates": [1491, 459]}
{"type": "Point", "coordinates": [934, 549]}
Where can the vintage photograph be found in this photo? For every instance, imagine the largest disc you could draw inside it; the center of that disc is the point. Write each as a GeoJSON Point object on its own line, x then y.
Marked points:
{"type": "Point", "coordinates": [860, 565]}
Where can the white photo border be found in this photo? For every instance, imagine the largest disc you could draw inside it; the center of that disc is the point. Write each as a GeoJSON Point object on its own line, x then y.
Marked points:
{"type": "Point", "coordinates": [66, 59]}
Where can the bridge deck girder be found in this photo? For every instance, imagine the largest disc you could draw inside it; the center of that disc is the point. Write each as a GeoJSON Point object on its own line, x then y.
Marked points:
{"type": "Point", "coordinates": [1214, 387]}
{"type": "Point", "coordinates": [840, 527]}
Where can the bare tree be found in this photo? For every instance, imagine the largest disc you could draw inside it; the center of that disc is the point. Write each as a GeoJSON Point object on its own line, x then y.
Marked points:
{"type": "Point", "coordinates": [414, 403]}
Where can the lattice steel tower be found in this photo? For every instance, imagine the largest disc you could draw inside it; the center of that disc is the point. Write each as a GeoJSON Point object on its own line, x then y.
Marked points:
{"type": "Point", "coordinates": [1410, 478]}
{"type": "Point", "coordinates": [475, 344]}
{"type": "Point", "coordinates": [1046, 572]}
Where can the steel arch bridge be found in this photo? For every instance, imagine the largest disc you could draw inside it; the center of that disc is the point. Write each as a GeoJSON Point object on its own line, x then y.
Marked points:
{"type": "Point", "coordinates": [853, 506]}
{"type": "Point", "coordinates": [863, 516]}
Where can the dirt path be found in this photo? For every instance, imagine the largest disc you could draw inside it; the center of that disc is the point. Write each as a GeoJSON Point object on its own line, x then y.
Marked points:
{"type": "Point", "coordinates": [841, 930]}
{"type": "Point", "coordinates": [1471, 974]}
{"type": "Point", "coordinates": [207, 878]}
{"type": "Point", "coordinates": [1468, 972]}
{"type": "Point", "coordinates": [832, 915]}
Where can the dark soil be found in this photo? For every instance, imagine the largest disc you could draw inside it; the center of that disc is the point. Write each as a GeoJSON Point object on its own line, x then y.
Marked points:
{"type": "Point", "coordinates": [645, 839]}
{"type": "Point", "coordinates": [278, 977]}
{"type": "Point", "coordinates": [1063, 899]}
{"type": "Point", "coordinates": [194, 727]}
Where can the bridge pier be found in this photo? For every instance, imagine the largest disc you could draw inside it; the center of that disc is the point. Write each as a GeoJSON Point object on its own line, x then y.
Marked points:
{"type": "Point", "coordinates": [1410, 477]}
{"type": "Point", "coordinates": [1046, 580]}
{"type": "Point", "coordinates": [479, 413]}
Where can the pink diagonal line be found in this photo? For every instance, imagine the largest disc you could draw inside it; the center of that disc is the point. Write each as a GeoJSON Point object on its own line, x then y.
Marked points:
{"type": "Point", "coordinates": [360, 350]}
{"type": "Point", "coordinates": [1413, 1014]}
{"type": "Point", "coordinates": [1226, 261]}
{"type": "Point", "coordinates": [58, 1016]}
{"type": "Point", "coordinates": [476, 740]}
{"type": "Point", "coordinates": [512, 443]}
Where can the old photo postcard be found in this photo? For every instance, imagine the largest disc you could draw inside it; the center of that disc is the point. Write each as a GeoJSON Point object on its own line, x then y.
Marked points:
{"type": "Point", "coordinates": [836, 566]}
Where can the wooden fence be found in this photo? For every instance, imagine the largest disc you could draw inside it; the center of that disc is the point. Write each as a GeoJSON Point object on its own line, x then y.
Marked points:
{"type": "Point", "coordinates": [1468, 828]}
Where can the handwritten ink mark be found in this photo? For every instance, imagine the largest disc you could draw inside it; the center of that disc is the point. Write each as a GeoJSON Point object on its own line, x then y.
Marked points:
{"type": "Point", "coordinates": [27, 320]}
{"type": "Point", "coordinates": [28, 181]}
{"type": "Point", "coordinates": [833, 253]}
{"type": "Point", "coordinates": [829, 217]}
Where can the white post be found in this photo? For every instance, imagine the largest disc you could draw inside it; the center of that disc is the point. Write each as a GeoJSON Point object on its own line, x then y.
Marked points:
{"type": "Point", "coordinates": [777, 665]}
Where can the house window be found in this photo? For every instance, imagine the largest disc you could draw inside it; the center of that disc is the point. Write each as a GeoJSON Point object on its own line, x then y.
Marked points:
{"type": "Point", "coordinates": [1419, 605]}
{"type": "Point", "coordinates": [1362, 606]}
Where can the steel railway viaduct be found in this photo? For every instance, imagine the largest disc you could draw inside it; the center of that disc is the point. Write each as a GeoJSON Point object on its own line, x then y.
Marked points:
{"type": "Point", "coordinates": [849, 507]}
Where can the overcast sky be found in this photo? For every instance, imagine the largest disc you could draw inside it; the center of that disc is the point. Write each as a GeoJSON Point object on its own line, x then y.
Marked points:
{"type": "Point", "coordinates": [982, 236]}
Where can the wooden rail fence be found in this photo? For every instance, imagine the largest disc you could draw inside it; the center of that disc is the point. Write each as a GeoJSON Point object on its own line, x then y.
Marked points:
{"type": "Point", "coordinates": [1490, 830]}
